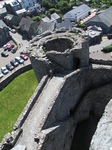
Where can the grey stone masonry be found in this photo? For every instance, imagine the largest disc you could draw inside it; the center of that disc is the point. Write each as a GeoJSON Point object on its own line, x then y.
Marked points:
{"type": "Point", "coordinates": [58, 52]}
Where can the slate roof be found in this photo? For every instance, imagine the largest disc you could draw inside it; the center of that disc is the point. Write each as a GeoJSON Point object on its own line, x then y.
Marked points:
{"type": "Point", "coordinates": [25, 23]}
{"type": "Point", "coordinates": [2, 24]}
{"type": "Point", "coordinates": [3, 10]}
{"type": "Point", "coordinates": [52, 18]}
{"type": "Point", "coordinates": [105, 17]}
{"type": "Point", "coordinates": [46, 26]}
{"type": "Point", "coordinates": [79, 11]}
{"type": "Point", "coordinates": [66, 23]}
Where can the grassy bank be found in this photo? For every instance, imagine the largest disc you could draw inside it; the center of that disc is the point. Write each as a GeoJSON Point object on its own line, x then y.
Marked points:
{"type": "Point", "coordinates": [13, 100]}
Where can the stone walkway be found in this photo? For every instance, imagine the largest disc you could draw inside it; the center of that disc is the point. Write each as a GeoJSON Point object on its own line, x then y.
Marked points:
{"type": "Point", "coordinates": [38, 113]}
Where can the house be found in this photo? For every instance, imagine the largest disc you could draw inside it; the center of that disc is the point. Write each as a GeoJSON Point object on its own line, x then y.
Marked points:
{"type": "Point", "coordinates": [12, 20]}
{"type": "Point", "coordinates": [28, 27]}
{"type": "Point", "coordinates": [78, 13]}
{"type": "Point", "coordinates": [103, 20]}
{"type": "Point", "coordinates": [12, 6]}
{"type": "Point", "coordinates": [22, 12]}
{"type": "Point", "coordinates": [45, 26]}
{"type": "Point", "coordinates": [67, 24]}
{"type": "Point", "coordinates": [94, 34]}
{"type": "Point", "coordinates": [4, 33]}
{"type": "Point", "coordinates": [52, 18]}
{"type": "Point", "coordinates": [3, 12]}
{"type": "Point", "coordinates": [34, 8]}
{"type": "Point", "coordinates": [27, 3]}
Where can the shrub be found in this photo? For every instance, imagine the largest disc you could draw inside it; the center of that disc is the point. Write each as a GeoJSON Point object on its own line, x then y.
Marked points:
{"type": "Point", "coordinates": [107, 49]}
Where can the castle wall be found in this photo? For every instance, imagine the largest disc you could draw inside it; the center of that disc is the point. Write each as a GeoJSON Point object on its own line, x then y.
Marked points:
{"type": "Point", "coordinates": [76, 85]}
{"type": "Point", "coordinates": [82, 92]}
{"type": "Point", "coordinates": [7, 80]}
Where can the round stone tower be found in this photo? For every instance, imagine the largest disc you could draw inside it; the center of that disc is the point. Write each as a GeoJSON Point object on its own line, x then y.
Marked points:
{"type": "Point", "coordinates": [58, 52]}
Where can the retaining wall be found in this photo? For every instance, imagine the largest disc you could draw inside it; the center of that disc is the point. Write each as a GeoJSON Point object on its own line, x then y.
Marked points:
{"type": "Point", "coordinates": [19, 71]}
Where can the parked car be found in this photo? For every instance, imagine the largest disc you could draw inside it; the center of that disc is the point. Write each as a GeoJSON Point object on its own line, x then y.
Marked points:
{"type": "Point", "coordinates": [19, 60]}
{"type": "Point", "coordinates": [9, 67]}
{"type": "Point", "coordinates": [24, 57]}
{"type": "Point", "coordinates": [13, 30]}
{"type": "Point", "coordinates": [4, 54]}
{"type": "Point", "coordinates": [14, 63]}
{"type": "Point", "coordinates": [1, 75]}
{"type": "Point", "coordinates": [5, 47]}
{"type": "Point", "coordinates": [4, 70]}
{"type": "Point", "coordinates": [9, 47]}
{"type": "Point", "coordinates": [13, 50]}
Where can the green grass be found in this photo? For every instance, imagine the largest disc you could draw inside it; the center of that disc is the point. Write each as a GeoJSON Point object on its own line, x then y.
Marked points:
{"type": "Point", "coordinates": [13, 99]}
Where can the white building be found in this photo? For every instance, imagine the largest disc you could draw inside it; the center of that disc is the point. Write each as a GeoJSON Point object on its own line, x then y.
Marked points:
{"type": "Point", "coordinates": [78, 13]}
{"type": "Point", "coordinates": [13, 3]}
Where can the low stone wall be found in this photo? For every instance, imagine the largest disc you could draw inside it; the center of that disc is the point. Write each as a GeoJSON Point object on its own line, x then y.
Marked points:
{"type": "Point", "coordinates": [30, 103]}
{"type": "Point", "coordinates": [100, 62]}
{"type": "Point", "coordinates": [21, 70]}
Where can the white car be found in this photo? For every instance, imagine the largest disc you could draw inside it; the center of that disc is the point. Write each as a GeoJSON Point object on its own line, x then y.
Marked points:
{"type": "Point", "coordinates": [1, 75]}
{"type": "Point", "coordinates": [5, 47]}
{"type": "Point", "coordinates": [19, 60]}
{"type": "Point", "coordinates": [4, 70]}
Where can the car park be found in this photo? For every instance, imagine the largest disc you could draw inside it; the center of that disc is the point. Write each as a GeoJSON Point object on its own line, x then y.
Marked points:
{"type": "Point", "coordinates": [9, 67]}
{"type": "Point", "coordinates": [4, 54]}
{"type": "Point", "coordinates": [19, 60]}
{"type": "Point", "coordinates": [24, 57]}
{"type": "Point", "coordinates": [1, 75]}
{"type": "Point", "coordinates": [14, 63]}
{"type": "Point", "coordinates": [4, 70]}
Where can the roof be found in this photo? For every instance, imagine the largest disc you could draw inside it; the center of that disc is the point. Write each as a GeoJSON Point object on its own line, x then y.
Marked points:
{"type": "Point", "coordinates": [46, 26]}
{"type": "Point", "coordinates": [21, 11]}
{"type": "Point", "coordinates": [66, 23]}
{"type": "Point", "coordinates": [25, 23]}
{"type": "Point", "coordinates": [52, 18]}
{"type": "Point", "coordinates": [9, 17]}
{"type": "Point", "coordinates": [78, 11]}
{"type": "Point", "coordinates": [12, 2]}
{"type": "Point", "coordinates": [3, 10]}
{"type": "Point", "coordinates": [2, 3]}
{"type": "Point", "coordinates": [104, 17]}
{"type": "Point", "coordinates": [2, 24]}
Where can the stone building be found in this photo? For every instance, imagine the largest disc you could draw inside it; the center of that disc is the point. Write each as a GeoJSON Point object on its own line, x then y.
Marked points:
{"type": "Point", "coordinates": [58, 52]}
{"type": "Point", "coordinates": [4, 33]}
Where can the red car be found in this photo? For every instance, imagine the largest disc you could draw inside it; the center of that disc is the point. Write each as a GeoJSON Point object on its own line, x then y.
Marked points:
{"type": "Point", "coordinates": [24, 57]}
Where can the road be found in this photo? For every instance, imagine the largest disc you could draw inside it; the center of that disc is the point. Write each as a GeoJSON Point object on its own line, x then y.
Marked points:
{"type": "Point", "coordinates": [103, 43]}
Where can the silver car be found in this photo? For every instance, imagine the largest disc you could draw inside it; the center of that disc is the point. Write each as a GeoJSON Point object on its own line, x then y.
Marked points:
{"type": "Point", "coordinates": [4, 70]}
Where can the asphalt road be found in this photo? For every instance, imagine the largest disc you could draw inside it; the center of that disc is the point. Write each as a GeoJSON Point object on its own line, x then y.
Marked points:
{"type": "Point", "coordinates": [6, 60]}
{"type": "Point", "coordinates": [99, 46]}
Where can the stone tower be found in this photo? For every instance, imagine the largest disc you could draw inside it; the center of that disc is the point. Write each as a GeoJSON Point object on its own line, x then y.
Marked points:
{"type": "Point", "coordinates": [59, 52]}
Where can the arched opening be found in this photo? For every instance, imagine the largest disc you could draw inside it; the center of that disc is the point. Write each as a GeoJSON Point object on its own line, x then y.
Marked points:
{"type": "Point", "coordinates": [76, 63]}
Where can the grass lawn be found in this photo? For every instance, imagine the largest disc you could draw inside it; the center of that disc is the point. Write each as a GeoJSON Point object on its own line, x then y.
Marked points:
{"type": "Point", "coordinates": [13, 99]}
